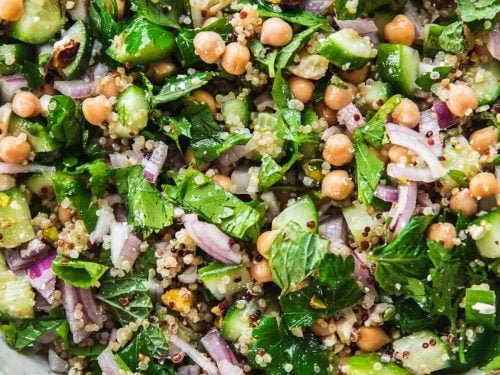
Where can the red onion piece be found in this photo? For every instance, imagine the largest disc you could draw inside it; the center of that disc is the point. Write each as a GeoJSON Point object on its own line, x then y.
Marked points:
{"type": "Point", "coordinates": [197, 357]}
{"type": "Point", "coordinates": [12, 84]}
{"type": "Point", "coordinates": [404, 208]}
{"type": "Point", "coordinates": [494, 42]}
{"type": "Point", "coordinates": [334, 229]}
{"type": "Point", "coordinates": [77, 89]}
{"type": "Point", "coordinates": [399, 135]}
{"type": "Point", "coordinates": [387, 193]}
{"type": "Point", "coordinates": [34, 250]}
{"type": "Point", "coordinates": [155, 162]}
{"type": "Point", "coordinates": [217, 348]}
{"type": "Point", "coordinates": [211, 239]}
{"type": "Point", "coordinates": [363, 273]}
{"type": "Point", "coordinates": [410, 173]}
{"type": "Point", "coordinates": [445, 118]}
{"type": "Point", "coordinates": [415, 18]}
{"type": "Point", "coordinates": [232, 155]}
{"type": "Point", "coordinates": [124, 246]}
{"type": "Point", "coordinates": [429, 128]}
{"type": "Point", "coordinates": [155, 289]}
{"type": "Point", "coordinates": [317, 6]}
{"type": "Point", "coordinates": [108, 364]}
{"type": "Point", "coordinates": [118, 160]}
{"type": "Point", "coordinates": [351, 117]}
{"type": "Point", "coordinates": [363, 26]}
{"type": "Point", "coordinates": [105, 219]}
{"type": "Point", "coordinates": [264, 101]}
{"type": "Point", "coordinates": [188, 370]}
{"type": "Point", "coordinates": [42, 278]}
{"type": "Point", "coordinates": [9, 168]}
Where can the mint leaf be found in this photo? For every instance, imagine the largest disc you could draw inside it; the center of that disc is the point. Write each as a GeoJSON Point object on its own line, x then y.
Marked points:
{"type": "Point", "coordinates": [298, 41]}
{"type": "Point", "coordinates": [374, 130]}
{"type": "Point", "coordinates": [282, 95]}
{"type": "Point", "coordinates": [180, 85]}
{"type": "Point", "coordinates": [267, 59]}
{"type": "Point", "coordinates": [65, 120]}
{"type": "Point", "coordinates": [78, 272]}
{"type": "Point", "coordinates": [452, 38]}
{"type": "Point", "coordinates": [154, 11]}
{"type": "Point", "coordinates": [425, 81]}
{"type": "Point", "coordinates": [473, 10]}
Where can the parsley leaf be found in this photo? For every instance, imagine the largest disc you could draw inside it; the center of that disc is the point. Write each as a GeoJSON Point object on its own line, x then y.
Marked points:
{"type": "Point", "coordinates": [154, 11]}
{"type": "Point", "coordinates": [78, 272]}
{"type": "Point", "coordinates": [174, 128]}
{"type": "Point", "coordinates": [473, 10]}
{"type": "Point", "coordinates": [452, 38]}
{"type": "Point", "coordinates": [282, 94]}
{"type": "Point", "coordinates": [304, 354]}
{"type": "Point", "coordinates": [374, 130]}
{"type": "Point", "coordinates": [267, 59]}
{"type": "Point", "coordinates": [425, 81]}
{"type": "Point", "coordinates": [180, 85]}
{"type": "Point", "coordinates": [288, 52]}
{"type": "Point", "coordinates": [294, 255]}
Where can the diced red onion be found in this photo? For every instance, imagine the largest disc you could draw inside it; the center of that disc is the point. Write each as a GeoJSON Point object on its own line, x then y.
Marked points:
{"type": "Point", "coordinates": [404, 208]}
{"type": "Point", "coordinates": [217, 348]}
{"type": "Point", "coordinates": [108, 364]}
{"type": "Point", "coordinates": [240, 180]}
{"type": "Point", "coordinates": [351, 117]}
{"type": "Point", "coordinates": [12, 84]}
{"type": "Point", "coordinates": [374, 40]}
{"type": "Point", "coordinates": [197, 357]}
{"type": "Point", "coordinates": [189, 276]}
{"type": "Point", "coordinates": [317, 6]}
{"type": "Point", "coordinates": [124, 246]}
{"type": "Point", "coordinates": [362, 272]}
{"type": "Point", "coordinates": [232, 155]}
{"type": "Point", "coordinates": [362, 26]}
{"type": "Point", "coordinates": [445, 118]}
{"type": "Point", "coordinates": [15, 262]}
{"type": "Point", "coordinates": [424, 202]}
{"type": "Point", "coordinates": [155, 163]}
{"type": "Point", "coordinates": [105, 219]}
{"type": "Point", "coordinates": [211, 239]}
{"type": "Point", "coordinates": [410, 173]}
{"type": "Point", "coordinates": [20, 259]}
{"type": "Point", "coordinates": [56, 363]}
{"type": "Point", "coordinates": [10, 168]}
{"type": "Point", "coordinates": [188, 370]}
{"type": "Point", "coordinates": [118, 160]}
{"type": "Point", "coordinates": [73, 296]}
{"type": "Point", "coordinates": [429, 128]}
{"type": "Point", "coordinates": [421, 94]}
{"type": "Point", "coordinates": [334, 229]}
{"type": "Point", "coordinates": [387, 193]}
{"type": "Point", "coordinates": [414, 17]}
{"type": "Point", "coordinates": [399, 135]}
{"type": "Point", "coordinates": [42, 278]}
{"type": "Point", "coordinates": [34, 250]}
{"type": "Point", "coordinates": [100, 70]}
{"type": "Point", "coordinates": [155, 289]}
{"type": "Point", "coordinates": [77, 89]}
{"type": "Point", "coordinates": [494, 42]}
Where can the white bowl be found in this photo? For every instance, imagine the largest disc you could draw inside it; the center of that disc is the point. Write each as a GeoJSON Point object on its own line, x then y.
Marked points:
{"type": "Point", "coordinates": [15, 363]}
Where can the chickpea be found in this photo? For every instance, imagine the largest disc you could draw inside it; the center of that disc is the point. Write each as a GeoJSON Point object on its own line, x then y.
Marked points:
{"type": "Point", "coordinates": [65, 214]}
{"type": "Point", "coordinates": [96, 110]}
{"type": "Point", "coordinates": [26, 104]}
{"type": "Point", "coordinates": [209, 46]}
{"type": "Point", "coordinates": [443, 232]}
{"type": "Point", "coordinates": [338, 150]}
{"type": "Point", "coordinates": [323, 111]}
{"type": "Point", "coordinates": [464, 202]}
{"type": "Point", "coordinates": [337, 98]}
{"type": "Point", "coordinates": [406, 114]}
{"type": "Point", "coordinates": [260, 271]}
{"type": "Point", "coordinates": [302, 88]}
{"type": "Point", "coordinates": [209, 21]}
{"type": "Point", "coordinates": [11, 10]}
{"type": "Point", "coordinates": [461, 100]}
{"type": "Point", "coordinates": [337, 185]}
{"type": "Point", "coordinates": [235, 58]}
{"type": "Point", "coordinates": [15, 149]}
{"type": "Point", "coordinates": [223, 181]}
{"type": "Point", "coordinates": [483, 185]}
{"type": "Point", "coordinates": [159, 70]}
{"type": "Point", "coordinates": [265, 241]}
{"type": "Point", "coordinates": [483, 140]}
{"type": "Point", "coordinates": [202, 96]}
{"type": "Point", "coordinates": [322, 328]}
{"type": "Point", "coordinates": [276, 32]}
{"type": "Point", "coordinates": [400, 30]}
{"type": "Point", "coordinates": [108, 86]}
{"type": "Point", "coordinates": [355, 76]}
{"type": "Point", "coordinates": [400, 154]}
{"type": "Point", "coordinates": [371, 339]}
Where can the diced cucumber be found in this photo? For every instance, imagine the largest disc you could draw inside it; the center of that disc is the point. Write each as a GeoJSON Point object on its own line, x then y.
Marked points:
{"type": "Point", "coordinates": [15, 219]}
{"type": "Point", "coordinates": [459, 157]}
{"type": "Point", "coordinates": [480, 303]}
{"type": "Point", "coordinates": [432, 32]}
{"type": "Point", "coordinates": [79, 34]}
{"type": "Point", "coordinates": [372, 95]}
{"type": "Point", "coordinates": [488, 245]}
{"type": "Point", "coordinates": [265, 126]}
{"type": "Point", "coordinates": [17, 299]}
{"type": "Point", "coordinates": [371, 364]}
{"type": "Point", "coordinates": [398, 65]}
{"type": "Point", "coordinates": [484, 79]}
{"type": "Point", "coordinates": [357, 219]}
{"type": "Point", "coordinates": [237, 320]}
{"type": "Point", "coordinates": [37, 133]}
{"type": "Point", "coordinates": [302, 211]}
{"type": "Point", "coordinates": [346, 49]}
{"type": "Point", "coordinates": [141, 42]}
{"type": "Point", "coordinates": [11, 55]}
{"type": "Point", "coordinates": [422, 352]}
{"type": "Point", "coordinates": [40, 21]}
{"type": "Point", "coordinates": [132, 107]}
{"type": "Point", "coordinates": [41, 185]}
{"type": "Point", "coordinates": [224, 280]}
{"type": "Point", "coordinates": [236, 111]}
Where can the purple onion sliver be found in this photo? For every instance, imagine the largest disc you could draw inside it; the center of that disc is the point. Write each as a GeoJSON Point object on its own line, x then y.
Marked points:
{"type": "Point", "coordinates": [445, 118]}
{"type": "Point", "coordinates": [351, 117]}
{"type": "Point", "coordinates": [387, 193]}
{"type": "Point", "coordinates": [42, 278]}
{"type": "Point", "coordinates": [317, 6]}
{"type": "Point", "coordinates": [77, 89]}
{"type": "Point", "coordinates": [124, 246]}
{"type": "Point", "coordinates": [218, 348]}
{"type": "Point", "coordinates": [410, 173]}
{"type": "Point", "coordinates": [363, 26]}
{"type": "Point", "coordinates": [108, 364]}
{"type": "Point", "coordinates": [11, 84]}
{"type": "Point", "coordinates": [188, 370]}
{"type": "Point", "coordinates": [197, 357]}
{"type": "Point", "coordinates": [414, 17]}
{"type": "Point", "coordinates": [334, 229]}
{"type": "Point", "coordinates": [404, 208]}
{"type": "Point", "coordinates": [155, 162]}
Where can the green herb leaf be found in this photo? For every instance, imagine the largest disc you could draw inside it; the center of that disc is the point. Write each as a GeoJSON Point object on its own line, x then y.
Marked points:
{"type": "Point", "coordinates": [102, 22]}
{"type": "Point", "coordinates": [459, 177]}
{"type": "Point", "coordinates": [180, 85]}
{"type": "Point", "coordinates": [197, 193]}
{"type": "Point", "coordinates": [65, 120]}
{"type": "Point", "coordinates": [473, 10]}
{"type": "Point", "coordinates": [267, 59]}
{"type": "Point", "coordinates": [174, 128]}
{"type": "Point", "coordinates": [294, 255]}
{"type": "Point", "coordinates": [452, 38]}
{"type": "Point", "coordinates": [374, 130]}
{"type": "Point", "coordinates": [304, 354]}
{"type": "Point", "coordinates": [32, 74]}
{"type": "Point", "coordinates": [288, 52]}
{"type": "Point", "coordinates": [282, 94]}
{"type": "Point", "coordinates": [147, 210]}
{"type": "Point", "coordinates": [77, 272]}
{"type": "Point", "coordinates": [161, 12]}
{"type": "Point", "coordinates": [425, 81]}
{"type": "Point", "coordinates": [131, 288]}
{"type": "Point", "coordinates": [99, 172]}
{"type": "Point", "coordinates": [368, 169]}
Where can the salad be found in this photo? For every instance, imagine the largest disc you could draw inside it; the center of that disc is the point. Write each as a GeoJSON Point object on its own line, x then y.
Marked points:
{"type": "Point", "coordinates": [251, 187]}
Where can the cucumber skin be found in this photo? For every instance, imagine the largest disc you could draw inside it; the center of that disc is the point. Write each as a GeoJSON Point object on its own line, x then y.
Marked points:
{"type": "Point", "coordinates": [339, 56]}
{"type": "Point", "coordinates": [211, 274]}
{"type": "Point", "coordinates": [131, 102]}
{"type": "Point", "coordinates": [82, 60]}
{"type": "Point", "coordinates": [36, 132]}
{"type": "Point", "coordinates": [238, 317]}
{"type": "Point", "coordinates": [393, 62]}
{"type": "Point", "coordinates": [302, 211]}
{"type": "Point", "coordinates": [488, 245]}
{"type": "Point", "coordinates": [20, 230]}
{"type": "Point", "coordinates": [431, 39]}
